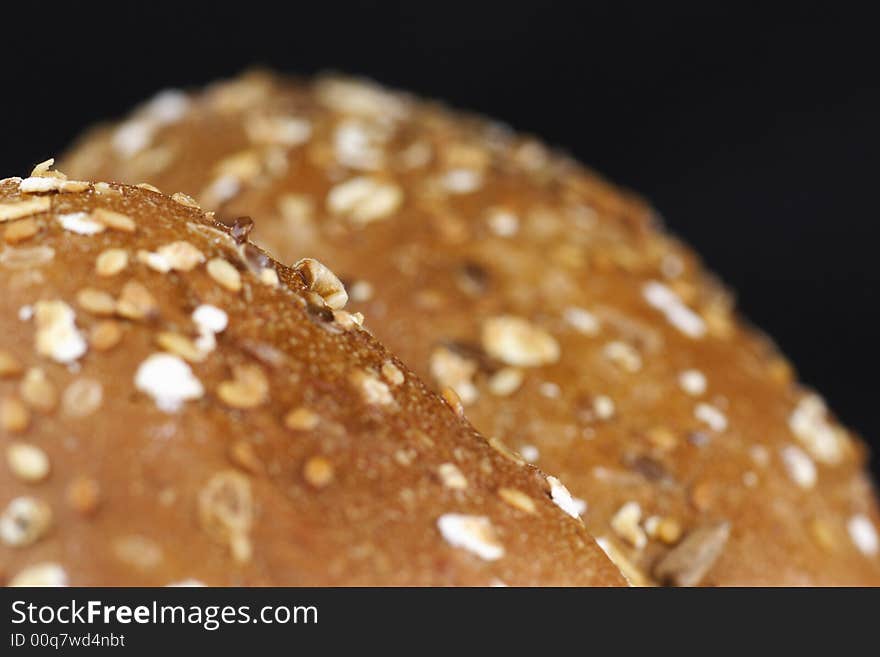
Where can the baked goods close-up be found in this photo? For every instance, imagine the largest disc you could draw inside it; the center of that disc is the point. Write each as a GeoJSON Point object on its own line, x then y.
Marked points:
{"type": "Point", "coordinates": [551, 305]}
{"type": "Point", "coordinates": [178, 408]}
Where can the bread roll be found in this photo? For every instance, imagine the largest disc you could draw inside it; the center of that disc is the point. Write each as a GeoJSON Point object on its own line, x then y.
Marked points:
{"type": "Point", "coordinates": [569, 324]}
{"type": "Point", "coordinates": [176, 407]}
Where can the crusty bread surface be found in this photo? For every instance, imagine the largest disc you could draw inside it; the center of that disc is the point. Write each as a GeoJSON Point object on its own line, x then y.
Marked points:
{"type": "Point", "coordinates": [178, 408]}
{"type": "Point", "coordinates": [569, 324]}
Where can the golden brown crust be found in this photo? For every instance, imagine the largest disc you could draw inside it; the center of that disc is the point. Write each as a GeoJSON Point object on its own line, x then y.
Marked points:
{"type": "Point", "coordinates": [568, 325]}
{"type": "Point", "coordinates": [176, 407]}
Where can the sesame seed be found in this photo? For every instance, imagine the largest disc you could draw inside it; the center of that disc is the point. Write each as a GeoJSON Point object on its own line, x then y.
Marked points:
{"type": "Point", "coordinates": [799, 465]}
{"type": "Point", "coordinates": [41, 574]}
{"type": "Point", "coordinates": [26, 257]}
{"type": "Point", "coordinates": [451, 476]}
{"type": "Point", "coordinates": [364, 200]}
{"type": "Point", "coordinates": [210, 319]}
{"type": "Point", "coordinates": [38, 391]}
{"type": "Point", "coordinates": [181, 256]}
{"type": "Point", "coordinates": [549, 390]}
{"type": "Point", "coordinates": [248, 388]}
{"type": "Point", "coordinates": [73, 186]}
{"type": "Point", "coordinates": [361, 291]}
{"type": "Point", "coordinates": [826, 442]}
{"type": "Point", "coordinates": [220, 190]}
{"type": "Point", "coordinates": [21, 230]}
{"type": "Point", "coordinates": [462, 181]}
{"type": "Point", "coordinates": [372, 390]}
{"type": "Point", "coordinates": [297, 210]}
{"type": "Point", "coordinates": [82, 397]}
{"type": "Point", "coordinates": [358, 144]}
{"type": "Point", "coordinates": [711, 416]}
{"type": "Point", "coordinates": [243, 454]}
{"type": "Point", "coordinates": [503, 223]}
{"type": "Point", "coordinates": [133, 136]}
{"type": "Point", "coordinates": [668, 530]}
{"type": "Point", "coordinates": [168, 380]}
{"type": "Point", "coordinates": [96, 302]}
{"type": "Point", "coordinates": [530, 453]}
{"type": "Point", "coordinates": [9, 365]}
{"type": "Point", "coordinates": [35, 185]}
{"type": "Point", "coordinates": [623, 355]}
{"type": "Point", "coordinates": [318, 471]}
{"type": "Point", "coordinates": [472, 533]}
{"type": "Point", "coordinates": [563, 499]}
{"type": "Point", "coordinates": [268, 276]}
{"type": "Point", "coordinates": [105, 335]}
{"type": "Point", "coordinates": [505, 451]}
{"type": "Point", "coordinates": [453, 370]}
{"type": "Point", "coordinates": [693, 382]}
{"type": "Point", "coordinates": [185, 200]}
{"type": "Point", "coordinates": [27, 462]}
{"type": "Point", "coordinates": [392, 373]}
{"type": "Point", "coordinates": [105, 189]}
{"type": "Point", "coordinates": [516, 341]}
{"type": "Point", "coordinates": [43, 169]}
{"type": "Point", "coordinates": [154, 261]}
{"type": "Point", "coordinates": [283, 130]}
{"type": "Point", "coordinates": [111, 262]}
{"type": "Point", "coordinates": [24, 521]}
{"type": "Point", "coordinates": [625, 523]}
{"type": "Point", "coordinates": [346, 320]}
{"type": "Point", "coordinates": [505, 381]}
{"type": "Point", "coordinates": [453, 400]}
{"type": "Point", "coordinates": [135, 301]}
{"type": "Point", "coordinates": [114, 220]}
{"type": "Point", "coordinates": [664, 299]}
{"type": "Point", "coordinates": [240, 167]}
{"type": "Point", "coordinates": [863, 534]}
{"type": "Point", "coordinates": [301, 419]}
{"type": "Point", "coordinates": [517, 499]}
{"type": "Point", "coordinates": [19, 209]}
{"type": "Point", "coordinates": [137, 551]}
{"type": "Point", "coordinates": [603, 407]}
{"type": "Point", "coordinates": [581, 320]}
{"type": "Point", "coordinates": [166, 107]}
{"type": "Point", "coordinates": [180, 345]}
{"type": "Point", "coordinates": [225, 274]}
{"type": "Point", "coordinates": [80, 223]}
{"type": "Point", "coordinates": [359, 98]}
{"type": "Point", "coordinates": [57, 336]}
{"type": "Point", "coordinates": [43, 180]}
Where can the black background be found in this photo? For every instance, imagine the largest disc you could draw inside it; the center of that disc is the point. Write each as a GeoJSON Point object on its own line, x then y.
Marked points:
{"type": "Point", "coordinates": [755, 133]}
